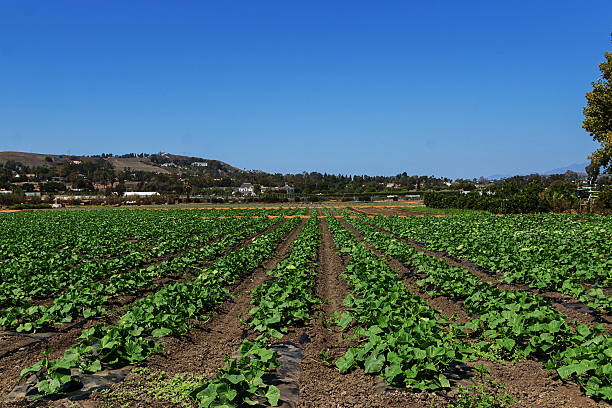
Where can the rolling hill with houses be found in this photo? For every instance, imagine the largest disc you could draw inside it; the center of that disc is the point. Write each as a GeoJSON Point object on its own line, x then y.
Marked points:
{"type": "Point", "coordinates": [163, 163]}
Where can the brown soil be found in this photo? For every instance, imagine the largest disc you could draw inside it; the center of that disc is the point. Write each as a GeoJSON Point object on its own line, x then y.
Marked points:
{"type": "Point", "coordinates": [402, 212]}
{"type": "Point", "coordinates": [532, 386]}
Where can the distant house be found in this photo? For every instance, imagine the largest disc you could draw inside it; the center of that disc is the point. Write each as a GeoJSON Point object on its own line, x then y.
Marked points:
{"type": "Point", "coordinates": [75, 197]}
{"type": "Point", "coordinates": [32, 194]}
{"type": "Point", "coordinates": [246, 189]}
{"type": "Point", "coordinates": [288, 189]}
{"type": "Point", "coordinates": [200, 164]}
{"type": "Point", "coordinates": [169, 165]}
{"type": "Point", "coordinates": [134, 194]}
{"type": "Point", "coordinates": [6, 192]}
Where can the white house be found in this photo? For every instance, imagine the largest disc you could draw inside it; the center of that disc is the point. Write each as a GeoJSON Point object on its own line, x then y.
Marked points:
{"type": "Point", "coordinates": [199, 164]}
{"type": "Point", "coordinates": [246, 189]}
{"type": "Point", "coordinates": [134, 194]}
{"type": "Point", "coordinates": [288, 189]}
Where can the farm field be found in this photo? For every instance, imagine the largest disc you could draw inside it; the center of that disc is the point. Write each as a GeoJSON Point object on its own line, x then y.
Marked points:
{"type": "Point", "coordinates": [312, 306]}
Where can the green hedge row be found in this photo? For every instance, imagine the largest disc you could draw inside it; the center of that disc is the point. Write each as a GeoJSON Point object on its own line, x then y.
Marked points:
{"type": "Point", "coordinates": [523, 202]}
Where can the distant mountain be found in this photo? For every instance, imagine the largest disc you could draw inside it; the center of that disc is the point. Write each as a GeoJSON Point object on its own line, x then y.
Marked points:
{"type": "Point", "coordinates": [153, 163]}
{"type": "Point", "coordinates": [577, 167]}
{"type": "Point", "coordinates": [498, 176]}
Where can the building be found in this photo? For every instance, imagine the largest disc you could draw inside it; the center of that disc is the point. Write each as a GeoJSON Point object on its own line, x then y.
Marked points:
{"type": "Point", "coordinates": [288, 189]}
{"type": "Point", "coordinates": [199, 164]}
{"type": "Point", "coordinates": [141, 194]}
{"type": "Point", "coordinates": [246, 189]}
{"type": "Point", "coordinates": [169, 165]}
{"type": "Point", "coordinates": [66, 197]}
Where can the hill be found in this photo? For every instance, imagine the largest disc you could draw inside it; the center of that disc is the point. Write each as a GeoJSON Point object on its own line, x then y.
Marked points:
{"type": "Point", "coordinates": [164, 163]}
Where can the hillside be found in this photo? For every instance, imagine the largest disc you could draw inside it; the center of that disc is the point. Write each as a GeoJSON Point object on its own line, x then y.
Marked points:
{"type": "Point", "coordinates": [39, 159]}
{"type": "Point", "coordinates": [164, 163]}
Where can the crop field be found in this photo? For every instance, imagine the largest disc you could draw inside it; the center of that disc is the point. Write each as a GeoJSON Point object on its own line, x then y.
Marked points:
{"type": "Point", "coordinates": [322, 306]}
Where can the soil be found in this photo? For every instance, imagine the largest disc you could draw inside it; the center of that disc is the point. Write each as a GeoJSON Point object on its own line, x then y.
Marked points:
{"type": "Point", "coordinates": [400, 211]}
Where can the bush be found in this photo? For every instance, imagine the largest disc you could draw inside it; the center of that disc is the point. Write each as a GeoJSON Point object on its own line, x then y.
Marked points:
{"type": "Point", "coordinates": [604, 201]}
{"type": "Point", "coordinates": [523, 201]}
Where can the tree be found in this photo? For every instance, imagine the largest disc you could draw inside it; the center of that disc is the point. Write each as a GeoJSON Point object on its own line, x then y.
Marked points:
{"type": "Point", "coordinates": [598, 118]}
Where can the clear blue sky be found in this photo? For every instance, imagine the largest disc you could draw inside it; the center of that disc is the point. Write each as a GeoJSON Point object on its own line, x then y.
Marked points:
{"type": "Point", "coordinates": [451, 88]}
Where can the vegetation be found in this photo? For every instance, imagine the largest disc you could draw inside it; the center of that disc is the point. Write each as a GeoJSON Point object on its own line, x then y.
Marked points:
{"type": "Point", "coordinates": [178, 266]}
{"type": "Point", "coordinates": [598, 118]}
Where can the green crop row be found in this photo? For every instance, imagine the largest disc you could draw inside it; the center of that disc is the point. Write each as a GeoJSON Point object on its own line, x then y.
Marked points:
{"type": "Point", "coordinates": [86, 299]}
{"type": "Point", "coordinates": [285, 300]}
{"type": "Point", "coordinates": [403, 338]}
{"type": "Point", "coordinates": [168, 311]}
{"type": "Point", "coordinates": [514, 323]}
{"type": "Point", "coordinates": [550, 252]}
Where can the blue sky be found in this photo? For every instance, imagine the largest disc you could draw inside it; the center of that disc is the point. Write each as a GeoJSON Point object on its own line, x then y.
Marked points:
{"type": "Point", "coordinates": [455, 89]}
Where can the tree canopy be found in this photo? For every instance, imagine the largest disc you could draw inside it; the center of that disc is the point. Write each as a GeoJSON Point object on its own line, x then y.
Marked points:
{"type": "Point", "coordinates": [598, 118]}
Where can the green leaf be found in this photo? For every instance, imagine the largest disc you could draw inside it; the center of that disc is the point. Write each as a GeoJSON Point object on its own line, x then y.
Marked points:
{"type": "Point", "coordinates": [273, 395]}
{"type": "Point", "coordinates": [443, 381]}
{"type": "Point", "coordinates": [233, 378]}
{"type": "Point", "coordinates": [94, 367]}
{"type": "Point", "coordinates": [392, 371]}
{"type": "Point", "coordinates": [161, 332]}
{"type": "Point", "coordinates": [275, 333]}
{"type": "Point", "coordinates": [35, 368]}
{"type": "Point", "coordinates": [506, 343]}
{"type": "Point", "coordinates": [346, 362]}
{"type": "Point", "coordinates": [345, 320]}
{"type": "Point", "coordinates": [374, 363]}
